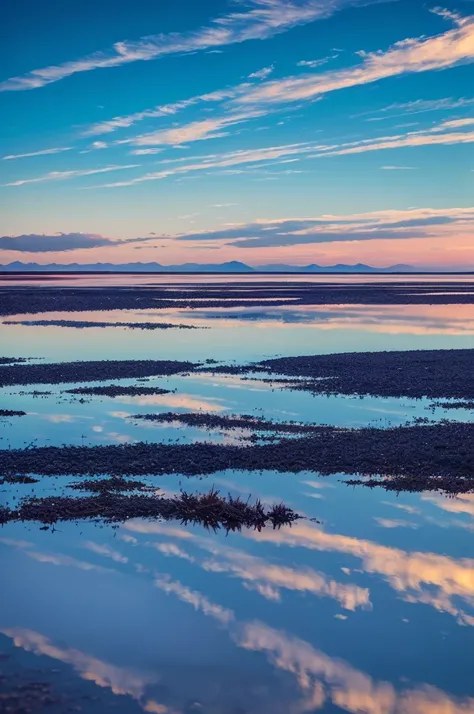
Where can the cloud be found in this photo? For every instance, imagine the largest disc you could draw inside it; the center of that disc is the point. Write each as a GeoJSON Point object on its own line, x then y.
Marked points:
{"type": "Point", "coordinates": [443, 134]}
{"type": "Point", "coordinates": [163, 110]}
{"type": "Point", "coordinates": [35, 243]}
{"type": "Point", "coordinates": [418, 577]}
{"type": "Point", "coordinates": [106, 551]}
{"type": "Point", "coordinates": [323, 679]}
{"type": "Point", "coordinates": [262, 73]}
{"type": "Point", "coordinates": [120, 680]}
{"type": "Point", "coordinates": [457, 123]}
{"type": "Point", "coordinates": [398, 168]}
{"type": "Point", "coordinates": [378, 225]}
{"type": "Point", "coordinates": [194, 598]}
{"type": "Point", "coordinates": [263, 19]}
{"type": "Point", "coordinates": [194, 131]}
{"type": "Point", "coordinates": [419, 106]}
{"type": "Point", "coordinates": [454, 47]}
{"type": "Point", "coordinates": [438, 135]}
{"type": "Point", "coordinates": [42, 152]}
{"type": "Point", "coordinates": [384, 225]}
{"type": "Point", "coordinates": [174, 167]}
{"type": "Point", "coordinates": [64, 175]}
{"type": "Point", "coordinates": [312, 64]}
{"type": "Point", "coordinates": [269, 578]}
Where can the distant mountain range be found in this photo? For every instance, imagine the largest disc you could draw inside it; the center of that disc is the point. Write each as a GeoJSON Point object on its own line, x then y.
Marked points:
{"type": "Point", "coordinates": [230, 267]}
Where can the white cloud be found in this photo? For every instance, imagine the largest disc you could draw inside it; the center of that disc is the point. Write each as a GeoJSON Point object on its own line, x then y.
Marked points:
{"type": "Point", "coordinates": [63, 175]}
{"type": "Point", "coordinates": [262, 73]}
{"type": "Point", "coordinates": [448, 49]}
{"type": "Point", "coordinates": [263, 19]}
{"type": "Point", "coordinates": [437, 135]}
{"type": "Point", "coordinates": [312, 64]}
{"type": "Point", "coordinates": [111, 125]}
{"type": "Point", "coordinates": [398, 168]}
{"type": "Point", "coordinates": [419, 106]}
{"type": "Point", "coordinates": [194, 131]}
{"type": "Point", "coordinates": [42, 152]}
{"type": "Point", "coordinates": [458, 123]}
{"type": "Point", "coordinates": [247, 157]}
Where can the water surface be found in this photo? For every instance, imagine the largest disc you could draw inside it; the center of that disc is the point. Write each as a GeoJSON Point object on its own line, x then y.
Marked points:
{"type": "Point", "coordinates": [371, 611]}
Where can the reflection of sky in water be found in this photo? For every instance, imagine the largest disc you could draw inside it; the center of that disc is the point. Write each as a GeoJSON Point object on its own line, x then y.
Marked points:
{"type": "Point", "coordinates": [370, 612]}
{"type": "Point", "coordinates": [61, 418]}
{"type": "Point", "coordinates": [271, 331]}
{"type": "Point", "coordinates": [294, 620]}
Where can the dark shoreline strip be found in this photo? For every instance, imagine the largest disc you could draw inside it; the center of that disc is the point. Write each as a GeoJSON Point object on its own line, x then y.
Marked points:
{"type": "Point", "coordinates": [94, 371]}
{"type": "Point", "coordinates": [208, 509]}
{"type": "Point", "coordinates": [233, 421]}
{"type": "Point", "coordinates": [24, 300]}
{"type": "Point", "coordinates": [418, 453]}
{"type": "Point", "coordinates": [116, 390]}
{"type": "Point", "coordinates": [13, 360]}
{"type": "Point", "coordinates": [81, 324]}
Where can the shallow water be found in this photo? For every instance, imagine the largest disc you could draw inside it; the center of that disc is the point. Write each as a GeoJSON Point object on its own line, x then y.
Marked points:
{"type": "Point", "coordinates": [371, 611]}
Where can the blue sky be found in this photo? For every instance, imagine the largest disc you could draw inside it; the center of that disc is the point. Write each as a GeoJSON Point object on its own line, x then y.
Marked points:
{"type": "Point", "coordinates": [257, 130]}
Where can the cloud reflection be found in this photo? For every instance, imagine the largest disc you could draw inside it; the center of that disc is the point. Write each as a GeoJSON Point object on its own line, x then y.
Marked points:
{"type": "Point", "coordinates": [325, 679]}
{"type": "Point", "coordinates": [266, 578]}
{"type": "Point", "coordinates": [419, 577]}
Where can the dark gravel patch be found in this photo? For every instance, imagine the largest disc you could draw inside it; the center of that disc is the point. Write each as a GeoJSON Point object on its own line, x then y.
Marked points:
{"type": "Point", "coordinates": [231, 422]}
{"type": "Point", "coordinates": [418, 453]}
{"type": "Point", "coordinates": [116, 390]}
{"type": "Point", "coordinates": [209, 509]}
{"type": "Point", "coordinates": [61, 372]}
{"type": "Point", "coordinates": [22, 300]}
{"type": "Point", "coordinates": [11, 413]}
{"type": "Point", "coordinates": [81, 324]}
{"type": "Point", "coordinates": [115, 483]}
{"type": "Point", "coordinates": [415, 374]}
{"type": "Point", "coordinates": [467, 404]}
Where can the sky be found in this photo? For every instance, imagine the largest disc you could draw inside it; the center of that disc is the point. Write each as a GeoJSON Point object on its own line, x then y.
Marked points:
{"type": "Point", "coordinates": [263, 131]}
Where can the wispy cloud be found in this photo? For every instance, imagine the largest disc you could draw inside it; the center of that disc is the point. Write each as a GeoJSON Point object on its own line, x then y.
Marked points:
{"type": "Point", "coordinates": [164, 110]}
{"type": "Point", "coordinates": [419, 106]}
{"type": "Point", "coordinates": [249, 157]}
{"type": "Point", "coordinates": [262, 19]}
{"type": "Point", "coordinates": [312, 64]}
{"type": "Point", "coordinates": [440, 134]}
{"type": "Point", "coordinates": [456, 46]}
{"type": "Point", "coordinates": [398, 168]}
{"type": "Point", "coordinates": [194, 131]}
{"type": "Point", "coordinates": [42, 152]}
{"type": "Point", "coordinates": [453, 47]}
{"type": "Point", "coordinates": [262, 73]}
{"type": "Point", "coordinates": [64, 175]}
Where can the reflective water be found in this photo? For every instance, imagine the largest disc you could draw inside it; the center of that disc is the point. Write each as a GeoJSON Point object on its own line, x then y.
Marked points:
{"type": "Point", "coordinates": [371, 611]}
